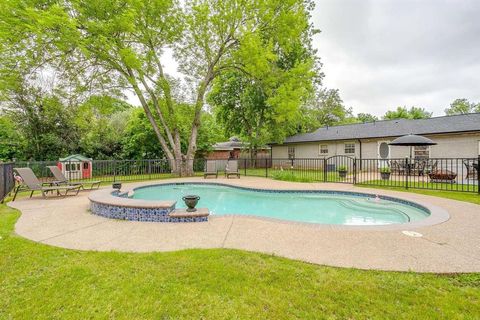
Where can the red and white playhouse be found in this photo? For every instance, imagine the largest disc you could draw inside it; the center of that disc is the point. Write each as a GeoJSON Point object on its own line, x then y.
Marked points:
{"type": "Point", "coordinates": [76, 166]}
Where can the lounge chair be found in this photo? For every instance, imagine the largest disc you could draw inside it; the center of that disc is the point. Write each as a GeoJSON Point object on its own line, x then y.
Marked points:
{"type": "Point", "coordinates": [232, 169]}
{"type": "Point", "coordinates": [31, 183]}
{"type": "Point", "coordinates": [62, 180]}
{"type": "Point", "coordinates": [210, 169]}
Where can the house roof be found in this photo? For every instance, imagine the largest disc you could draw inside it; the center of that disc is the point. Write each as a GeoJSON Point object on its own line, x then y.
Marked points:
{"type": "Point", "coordinates": [392, 128]}
{"type": "Point", "coordinates": [75, 157]}
{"type": "Point", "coordinates": [232, 143]}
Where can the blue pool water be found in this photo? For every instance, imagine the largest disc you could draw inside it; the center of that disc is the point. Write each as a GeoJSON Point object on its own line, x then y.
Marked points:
{"type": "Point", "coordinates": [328, 208]}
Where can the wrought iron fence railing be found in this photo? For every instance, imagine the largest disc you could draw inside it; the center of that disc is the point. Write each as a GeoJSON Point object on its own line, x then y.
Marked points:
{"type": "Point", "coordinates": [450, 174]}
{"type": "Point", "coordinates": [7, 182]}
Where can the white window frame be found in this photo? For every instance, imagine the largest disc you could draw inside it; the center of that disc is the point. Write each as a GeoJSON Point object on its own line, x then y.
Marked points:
{"type": "Point", "coordinates": [291, 152]}
{"type": "Point", "coordinates": [349, 144]}
{"type": "Point", "coordinates": [320, 149]}
{"type": "Point", "coordinates": [427, 149]}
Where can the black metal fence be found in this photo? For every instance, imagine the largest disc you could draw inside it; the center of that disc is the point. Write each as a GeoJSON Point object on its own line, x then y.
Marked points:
{"type": "Point", "coordinates": [7, 181]}
{"type": "Point", "coordinates": [450, 174]}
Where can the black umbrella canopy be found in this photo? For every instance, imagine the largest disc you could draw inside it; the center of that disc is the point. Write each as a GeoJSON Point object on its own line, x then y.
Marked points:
{"type": "Point", "coordinates": [412, 140]}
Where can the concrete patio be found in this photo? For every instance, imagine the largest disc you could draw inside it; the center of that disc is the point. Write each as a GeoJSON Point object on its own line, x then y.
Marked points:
{"type": "Point", "coordinates": [452, 246]}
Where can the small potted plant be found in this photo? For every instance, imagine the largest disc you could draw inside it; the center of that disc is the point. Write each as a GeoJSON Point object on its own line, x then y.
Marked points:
{"type": "Point", "coordinates": [342, 171]}
{"type": "Point", "coordinates": [385, 173]}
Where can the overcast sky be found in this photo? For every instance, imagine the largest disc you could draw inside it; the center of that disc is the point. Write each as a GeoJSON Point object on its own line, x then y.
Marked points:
{"type": "Point", "coordinates": [387, 53]}
{"type": "Point", "coordinates": [382, 54]}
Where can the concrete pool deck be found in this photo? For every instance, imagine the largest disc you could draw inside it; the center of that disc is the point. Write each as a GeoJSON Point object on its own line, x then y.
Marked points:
{"type": "Point", "coordinates": [451, 246]}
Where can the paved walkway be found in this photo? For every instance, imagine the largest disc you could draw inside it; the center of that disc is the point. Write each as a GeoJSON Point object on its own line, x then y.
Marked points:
{"type": "Point", "coordinates": [452, 246]}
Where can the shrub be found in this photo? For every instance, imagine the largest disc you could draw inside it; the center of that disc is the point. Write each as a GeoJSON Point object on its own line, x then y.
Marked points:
{"type": "Point", "coordinates": [289, 176]}
{"type": "Point", "coordinates": [385, 170]}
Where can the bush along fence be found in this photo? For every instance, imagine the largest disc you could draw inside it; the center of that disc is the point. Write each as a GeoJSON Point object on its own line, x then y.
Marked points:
{"type": "Point", "coordinates": [450, 174]}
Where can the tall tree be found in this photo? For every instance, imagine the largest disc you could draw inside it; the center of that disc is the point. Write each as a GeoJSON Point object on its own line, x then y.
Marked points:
{"type": "Point", "coordinates": [328, 108]}
{"type": "Point", "coordinates": [43, 120]}
{"type": "Point", "coordinates": [366, 117]}
{"type": "Point", "coordinates": [404, 113]}
{"type": "Point", "coordinates": [120, 44]}
{"type": "Point", "coordinates": [101, 122]}
{"type": "Point", "coordinates": [462, 106]}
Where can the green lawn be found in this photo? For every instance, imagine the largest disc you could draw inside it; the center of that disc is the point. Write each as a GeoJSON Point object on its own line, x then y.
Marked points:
{"type": "Point", "coordinates": [455, 195]}
{"type": "Point", "coordinates": [296, 175]}
{"type": "Point", "coordinates": [435, 186]}
{"type": "Point", "coordinates": [42, 282]}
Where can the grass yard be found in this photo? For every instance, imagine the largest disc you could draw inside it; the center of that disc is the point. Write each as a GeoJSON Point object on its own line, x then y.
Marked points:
{"type": "Point", "coordinates": [454, 195]}
{"type": "Point", "coordinates": [434, 186]}
{"type": "Point", "coordinates": [43, 282]}
{"type": "Point", "coordinates": [297, 175]}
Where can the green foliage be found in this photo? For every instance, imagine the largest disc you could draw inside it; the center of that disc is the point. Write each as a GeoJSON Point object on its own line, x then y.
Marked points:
{"type": "Point", "coordinates": [404, 113]}
{"type": "Point", "coordinates": [366, 117]}
{"type": "Point", "coordinates": [385, 170]}
{"type": "Point", "coordinates": [102, 121]}
{"type": "Point", "coordinates": [11, 143]}
{"type": "Point", "coordinates": [44, 124]}
{"type": "Point", "coordinates": [119, 44]}
{"type": "Point", "coordinates": [462, 106]}
{"type": "Point", "coordinates": [342, 168]}
{"type": "Point", "coordinates": [290, 176]}
{"type": "Point", "coordinates": [329, 108]}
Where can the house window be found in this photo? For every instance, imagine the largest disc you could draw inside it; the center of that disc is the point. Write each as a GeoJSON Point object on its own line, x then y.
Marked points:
{"type": "Point", "coordinates": [421, 152]}
{"type": "Point", "coordinates": [323, 149]}
{"type": "Point", "coordinates": [349, 148]}
{"type": "Point", "coordinates": [291, 152]}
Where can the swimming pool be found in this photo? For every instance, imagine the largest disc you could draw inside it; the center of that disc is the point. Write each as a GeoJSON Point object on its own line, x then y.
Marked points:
{"type": "Point", "coordinates": [326, 207]}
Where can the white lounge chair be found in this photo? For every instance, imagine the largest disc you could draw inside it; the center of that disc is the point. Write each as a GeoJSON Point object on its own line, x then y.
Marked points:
{"type": "Point", "coordinates": [232, 169]}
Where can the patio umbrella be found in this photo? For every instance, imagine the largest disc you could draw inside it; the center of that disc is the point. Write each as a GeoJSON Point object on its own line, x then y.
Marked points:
{"type": "Point", "coordinates": [411, 140]}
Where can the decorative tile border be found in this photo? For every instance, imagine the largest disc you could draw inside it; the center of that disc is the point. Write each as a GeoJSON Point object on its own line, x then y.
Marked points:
{"type": "Point", "coordinates": [139, 214]}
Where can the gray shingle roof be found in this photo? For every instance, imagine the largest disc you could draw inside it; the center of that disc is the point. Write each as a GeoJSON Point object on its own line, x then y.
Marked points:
{"type": "Point", "coordinates": [392, 128]}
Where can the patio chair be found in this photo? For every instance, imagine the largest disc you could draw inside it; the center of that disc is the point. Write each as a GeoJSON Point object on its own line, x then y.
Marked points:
{"type": "Point", "coordinates": [472, 169]}
{"type": "Point", "coordinates": [420, 167]}
{"type": "Point", "coordinates": [210, 169]}
{"type": "Point", "coordinates": [232, 169]}
{"type": "Point", "coordinates": [398, 168]}
{"type": "Point", "coordinates": [31, 183]}
{"type": "Point", "coordinates": [433, 166]}
{"type": "Point", "coordinates": [62, 180]}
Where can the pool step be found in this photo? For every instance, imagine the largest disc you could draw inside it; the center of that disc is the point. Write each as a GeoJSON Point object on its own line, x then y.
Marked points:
{"type": "Point", "coordinates": [183, 213]}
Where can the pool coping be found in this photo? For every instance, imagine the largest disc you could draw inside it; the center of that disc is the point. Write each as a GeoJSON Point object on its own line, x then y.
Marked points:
{"type": "Point", "coordinates": [437, 215]}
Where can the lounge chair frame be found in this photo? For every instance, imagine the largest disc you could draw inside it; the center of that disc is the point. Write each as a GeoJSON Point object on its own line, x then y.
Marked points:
{"type": "Point", "coordinates": [62, 180]}
{"type": "Point", "coordinates": [210, 169]}
{"type": "Point", "coordinates": [32, 184]}
{"type": "Point", "coordinates": [229, 171]}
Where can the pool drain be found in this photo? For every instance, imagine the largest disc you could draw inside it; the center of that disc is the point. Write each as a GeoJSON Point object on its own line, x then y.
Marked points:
{"type": "Point", "coordinates": [412, 234]}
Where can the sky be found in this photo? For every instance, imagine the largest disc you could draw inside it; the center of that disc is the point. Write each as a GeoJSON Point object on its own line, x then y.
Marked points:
{"type": "Point", "coordinates": [382, 54]}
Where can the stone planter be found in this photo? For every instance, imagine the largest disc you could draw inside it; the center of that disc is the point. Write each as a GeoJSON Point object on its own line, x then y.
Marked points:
{"type": "Point", "coordinates": [385, 175]}
{"type": "Point", "coordinates": [191, 201]}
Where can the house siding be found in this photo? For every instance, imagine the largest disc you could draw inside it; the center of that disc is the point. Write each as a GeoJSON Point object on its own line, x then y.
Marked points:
{"type": "Point", "coordinates": [464, 145]}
